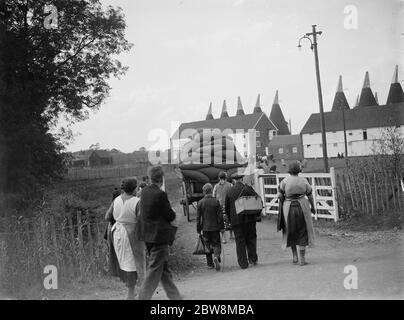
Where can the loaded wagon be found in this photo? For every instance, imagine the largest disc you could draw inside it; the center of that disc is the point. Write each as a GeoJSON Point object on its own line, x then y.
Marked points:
{"type": "Point", "coordinates": [202, 159]}
{"type": "Point", "coordinates": [194, 176]}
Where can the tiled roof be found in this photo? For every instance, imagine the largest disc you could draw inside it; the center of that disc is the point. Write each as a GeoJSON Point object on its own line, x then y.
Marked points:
{"type": "Point", "coordinates": [278, 119]}
{"type": "Point", "coordinates": [285, 140]}
{"type": "Point", "coordinates": [358, 118]}
{"type": "Point", "coordinates": [244, 122]}
{"type": "Point", "coordinates": [396, 93]}
{"type": "Point", "coordinates": [367, 98]}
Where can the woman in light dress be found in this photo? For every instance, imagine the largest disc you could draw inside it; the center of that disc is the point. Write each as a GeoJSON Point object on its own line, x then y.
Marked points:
{"type": "Point", "coordinates": [295, 213]}
{"type": "Point", "coordinates": [127, 254]}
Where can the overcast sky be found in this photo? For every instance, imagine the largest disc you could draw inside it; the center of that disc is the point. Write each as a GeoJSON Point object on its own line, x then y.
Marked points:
{"type": "Point", "coordinates": [188, 53]}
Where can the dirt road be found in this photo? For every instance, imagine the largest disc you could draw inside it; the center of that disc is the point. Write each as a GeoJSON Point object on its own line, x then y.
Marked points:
{"type": "Point", "coordinates": [378, 257]}
{"type": "Point", "coordinates": [380, 268]}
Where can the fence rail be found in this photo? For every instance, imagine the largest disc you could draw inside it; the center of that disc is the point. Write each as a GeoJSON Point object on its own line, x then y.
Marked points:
{"type": "Point", "coordinates": [110, 172]}
{"type": "Point", "coordinates": [373, 193]}
{"type": "Point", "coordinates": [73, 242]}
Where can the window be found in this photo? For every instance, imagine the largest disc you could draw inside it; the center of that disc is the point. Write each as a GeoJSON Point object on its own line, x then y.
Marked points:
{"type": "Point", "coordinates": [294, 149]}
{"type": "Point", "coordinates": [335, 144]}
{"type": "Point", "coordinates": [258, 144]}
{"type": "Point", "coordinates": [280, 151]}
{"type": "Point", "coordinates": [309, 145]}
{"type": "Point", "coordinates": [274, 133]}
{"type": "Point", "coordinates": [257, 134]}
{"type": "Point", "coordinates": [350, 133]}
{"type": "Point", "coordinates": [365, 134]}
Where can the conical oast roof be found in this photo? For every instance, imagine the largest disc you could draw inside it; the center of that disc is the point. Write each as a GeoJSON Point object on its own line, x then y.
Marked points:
{"type": "Point", "coordinates": [277, 117]}
{"type": "Point", "coordinates": [340, 101]}
{"type": "Point", "coordinates": [240, 110]}
{"type": "Point", "coordinates": [209, 116]}
{"type": "Point", "coordinates": [396, 93]}
{"type": "Point", "coordinates": [367, 98]}
{"type": "Point", "coordinates": [224, 113]}
{"type": "Point", "coordinates": [257, 107]}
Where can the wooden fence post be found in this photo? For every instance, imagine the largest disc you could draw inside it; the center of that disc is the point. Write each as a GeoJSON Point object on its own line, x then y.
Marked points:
{"type": "Point", "coordinates": [334, 190]}
{"type": "Point", "coordinates": [81, 246]}
{"type": "Point", "coordinates": [72, 242]}
{"type": "Point", "coordinates": [90, 238]}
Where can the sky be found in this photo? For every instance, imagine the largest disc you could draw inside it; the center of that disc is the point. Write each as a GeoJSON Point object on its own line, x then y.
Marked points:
{"type": "Point", "coordinates": [188, 53]}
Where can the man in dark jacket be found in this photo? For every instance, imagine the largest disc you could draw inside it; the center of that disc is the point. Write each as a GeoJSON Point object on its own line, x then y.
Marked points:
{"type": "Point", "coordinates": [244, 225]}
{"type": "Point", "coordinates": [154, 228]}
{"type": "Point", "coordinates": [209, 219]}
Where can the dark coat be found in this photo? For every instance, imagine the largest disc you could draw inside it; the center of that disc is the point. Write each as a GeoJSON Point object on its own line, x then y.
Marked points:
{"type": "Point", "coordinates": [209, 216]}
{"type": "Point", "coordinates": [155, 216]}
{"type": "Point", "coordinates": [238, 190]}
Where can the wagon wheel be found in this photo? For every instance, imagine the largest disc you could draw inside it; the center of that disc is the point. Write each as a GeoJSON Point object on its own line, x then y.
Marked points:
{"type": "Point", "coordinates": [185, 201]}
{"type": "Point", "coordinates": [186, 209]}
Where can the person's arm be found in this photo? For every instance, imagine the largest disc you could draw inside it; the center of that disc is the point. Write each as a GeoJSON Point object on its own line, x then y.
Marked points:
{"type": "Point", "coordinates": [214, 193]}
{"type": "Point", "coordinates": [108, 215]}
{"type": "Point", "coordinates": [219, 214]}
{"type": "Point", "coordinates": [281, 191]}
{"type": "Point", "coordinates": [167, 212]}
{"type": "Point", "coordinates": [198, 217]}
{"type": "Point", "coordinates": [309, 194]}
{"type": "Point", "coordinates": [227, 207]}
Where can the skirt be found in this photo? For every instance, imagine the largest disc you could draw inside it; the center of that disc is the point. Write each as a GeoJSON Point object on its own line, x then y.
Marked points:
{"type": "Point", "coordinates": [297, 230]}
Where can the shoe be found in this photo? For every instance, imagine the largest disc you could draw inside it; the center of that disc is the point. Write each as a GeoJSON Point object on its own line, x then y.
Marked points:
{"type": "Point", "coordinates": [217, 264]}
{"type": "Point", "coordinates": [302, 258]}
{"type": "Point", "coordinates": [295, 257]}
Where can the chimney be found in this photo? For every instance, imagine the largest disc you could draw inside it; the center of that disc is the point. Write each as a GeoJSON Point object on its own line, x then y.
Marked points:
{"type": "Point", "coordinates": [277, 118]}
{"type": "Point", "coordinates": [396, 93]}
{"type": "Point", "coordinates": [257, 107]}
{"type": "Point", "coordinates": [240, 111]}
{"type": "Point", "coordinates": [367, 98]}
{"type": "Point", "coordinates": [224, 113]}
{"type": "Point", "coordinates": [340, 100]}
{"type": "Point", "coordinates": [209, 116]}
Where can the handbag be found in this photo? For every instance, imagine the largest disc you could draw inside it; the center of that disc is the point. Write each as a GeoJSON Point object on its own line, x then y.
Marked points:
{"type": "Point", "coordinates": [200, 247]}
{"type": "Point", "coordinates": [248, 204]}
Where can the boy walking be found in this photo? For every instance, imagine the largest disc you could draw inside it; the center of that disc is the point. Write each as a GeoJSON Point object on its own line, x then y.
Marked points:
{"type": "Point", "coordinates": [219, 192]}
{"type": "Point", "coordinates": [209, 220]}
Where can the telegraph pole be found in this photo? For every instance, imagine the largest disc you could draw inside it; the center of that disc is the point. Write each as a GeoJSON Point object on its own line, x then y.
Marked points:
{"type": "Point", "coordinates": [314, 33]}
{"type": "Point", "coordinates": [345, 141]}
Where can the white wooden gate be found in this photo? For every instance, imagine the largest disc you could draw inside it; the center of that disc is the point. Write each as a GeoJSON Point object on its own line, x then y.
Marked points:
{"type": "Point", "coordinates": [324, 193]}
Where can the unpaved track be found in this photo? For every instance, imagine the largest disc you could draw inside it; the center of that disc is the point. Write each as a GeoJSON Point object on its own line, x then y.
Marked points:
{"type": "Point", "coordinates": [380, 266]}
{"type": "Point", "coordinates": [380, 272]}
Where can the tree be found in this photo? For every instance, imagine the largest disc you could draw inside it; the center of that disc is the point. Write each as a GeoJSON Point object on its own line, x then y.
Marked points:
{"type": "Point", "coordinates": [48, 71]}
{"type": "Point", "coordinates": [389, 150]}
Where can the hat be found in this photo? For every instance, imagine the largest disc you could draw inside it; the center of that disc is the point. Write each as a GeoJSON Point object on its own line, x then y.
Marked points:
{"type": "Point", "coordinates": [237, 175]}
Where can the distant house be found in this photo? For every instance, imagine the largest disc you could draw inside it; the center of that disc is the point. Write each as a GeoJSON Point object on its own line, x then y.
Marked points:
{"type": "Point", "coordinates": [130, 159]}
{"type": "Point", "coordinates": [363, 123]}
{"type": "Point", "coordinates": [100, 158]}
{"type": "Point", "coordinates": [287, 147]}
{"type": "Point", "coordinates": [81, 158]}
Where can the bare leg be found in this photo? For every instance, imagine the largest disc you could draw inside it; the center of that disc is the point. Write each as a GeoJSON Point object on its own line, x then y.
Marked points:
{"type": "Point", "coordinates": [302, 256]}
{"type": "Point", "coordinates": [294, 252]}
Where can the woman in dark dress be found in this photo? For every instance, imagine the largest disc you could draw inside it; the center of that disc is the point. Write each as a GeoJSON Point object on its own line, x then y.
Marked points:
{"type": "Point", "coordinates": [295, 218]}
